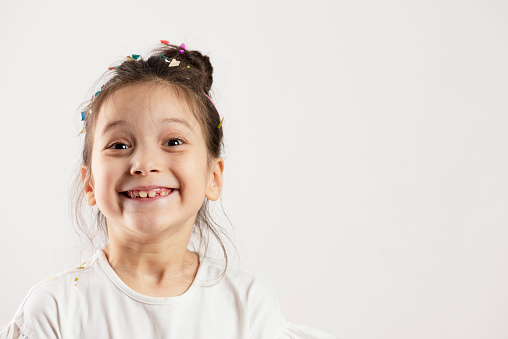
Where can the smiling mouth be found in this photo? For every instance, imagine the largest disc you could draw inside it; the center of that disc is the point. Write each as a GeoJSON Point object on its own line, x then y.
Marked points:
{"type": "Point", "coordinates": [158, 192]}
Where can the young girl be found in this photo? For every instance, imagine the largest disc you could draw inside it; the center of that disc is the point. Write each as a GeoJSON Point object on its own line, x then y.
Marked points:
{"type": "Point", "coordinates": [151, 161]}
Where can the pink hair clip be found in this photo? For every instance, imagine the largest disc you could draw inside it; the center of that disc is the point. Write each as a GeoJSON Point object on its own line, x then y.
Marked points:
{"type": "Point", "coordinates": [215, 109]}
{"type": "Point", "coordinates": [182, 46]}
{"type": "Point", "coordinates": [211, 101]}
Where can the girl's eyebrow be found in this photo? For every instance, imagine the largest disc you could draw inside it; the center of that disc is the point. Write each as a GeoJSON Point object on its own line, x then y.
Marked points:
{"type": "Point", "coordinates": [166, 121]}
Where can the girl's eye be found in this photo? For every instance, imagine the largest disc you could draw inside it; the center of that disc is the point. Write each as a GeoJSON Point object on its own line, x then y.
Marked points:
{"type": "Point", "coordinates": [170, 141]}
{"type": "Point", "coordinates": [116, 144]}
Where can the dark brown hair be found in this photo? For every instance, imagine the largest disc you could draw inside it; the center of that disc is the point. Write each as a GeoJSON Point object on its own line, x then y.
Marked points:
{"type": "Point", "coordinates": [192, 80]}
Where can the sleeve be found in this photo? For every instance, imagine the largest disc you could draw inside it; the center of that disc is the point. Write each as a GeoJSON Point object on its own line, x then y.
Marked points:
{"type": "Point", "coordinates": [12, 331]}
{"type": "Point", "coordinates": [295, 331]}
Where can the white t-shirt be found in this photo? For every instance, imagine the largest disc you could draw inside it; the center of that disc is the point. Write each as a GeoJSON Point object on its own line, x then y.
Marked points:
{"type": "Point", "coordinates": [91, 301]}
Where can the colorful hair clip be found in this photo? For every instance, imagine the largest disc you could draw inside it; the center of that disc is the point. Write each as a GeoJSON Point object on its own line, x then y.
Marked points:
{"type": "Point", "coordinates": [165, 42]}
{"type": "Point", "coordinates": [83, 131]}
{"type": "Point", "coordinates": [133, 57]}
{"type": "Point", "coordinates": [173, 62]}
{"type": "Point", "coordinates": [96, 93]}
{"type": "Point", "coordinates": [182, 46]}
{"type": "Point", "coordinates": [220, 123]}
{"type": "Point", "coordinates": [83, 115]}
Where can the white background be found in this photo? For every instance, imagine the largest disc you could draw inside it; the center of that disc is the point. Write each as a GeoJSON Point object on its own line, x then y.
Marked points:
{"type": "Point", "coordinates": [366, 142]}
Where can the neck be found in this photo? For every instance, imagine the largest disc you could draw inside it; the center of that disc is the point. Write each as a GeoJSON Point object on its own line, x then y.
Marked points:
{"type": "Point", "coordinates": [152, 265]}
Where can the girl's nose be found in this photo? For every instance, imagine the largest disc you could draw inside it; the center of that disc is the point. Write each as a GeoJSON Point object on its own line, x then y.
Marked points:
{"type": "Point", "coordinates": [144, 161]}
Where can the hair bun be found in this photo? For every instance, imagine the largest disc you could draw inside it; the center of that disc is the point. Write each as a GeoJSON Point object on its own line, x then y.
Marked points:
{"type": "Point", "coordinates": [201, 62]}
{"type": "Point", "coordinates": [195, 60]}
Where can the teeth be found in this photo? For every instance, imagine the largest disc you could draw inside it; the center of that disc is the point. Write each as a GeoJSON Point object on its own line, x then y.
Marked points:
{"type": "Point", "coordinates": [144, 194]}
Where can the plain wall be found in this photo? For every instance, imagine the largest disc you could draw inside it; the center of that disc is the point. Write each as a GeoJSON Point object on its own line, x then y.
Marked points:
{"type": "Point", "coordinates": [365, 173]}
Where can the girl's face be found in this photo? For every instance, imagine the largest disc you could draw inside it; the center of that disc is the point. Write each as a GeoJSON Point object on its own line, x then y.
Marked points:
{"type": "Point", "coordinates": [146, 136]}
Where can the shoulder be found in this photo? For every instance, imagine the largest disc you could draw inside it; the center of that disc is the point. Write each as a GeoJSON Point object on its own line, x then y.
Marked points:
{"type": "Point", "coordinates": [257, 297]}
{"type": "Point", "coordinates": [249, 285]}
{"type": "Point", "coordinates": [39, 313]}
{"type": "Point", "coordinates": [265, 314]}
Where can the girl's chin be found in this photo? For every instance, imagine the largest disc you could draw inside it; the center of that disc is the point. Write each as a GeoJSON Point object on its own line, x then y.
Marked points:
{"type": "Point", "coordinates": [153, 228]}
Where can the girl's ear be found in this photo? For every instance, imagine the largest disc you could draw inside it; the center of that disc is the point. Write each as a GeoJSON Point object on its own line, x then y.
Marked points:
{"type": "Point", "coordinates": [215, 184]}
{"type": "Point", "coordinates": [88, 184]}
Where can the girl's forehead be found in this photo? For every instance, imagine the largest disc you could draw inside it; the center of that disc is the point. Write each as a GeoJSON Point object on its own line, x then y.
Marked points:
{"type": "Point", "coordinates": [152, 98]}
{"type": "Point", "coordinates": [143, 105]}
